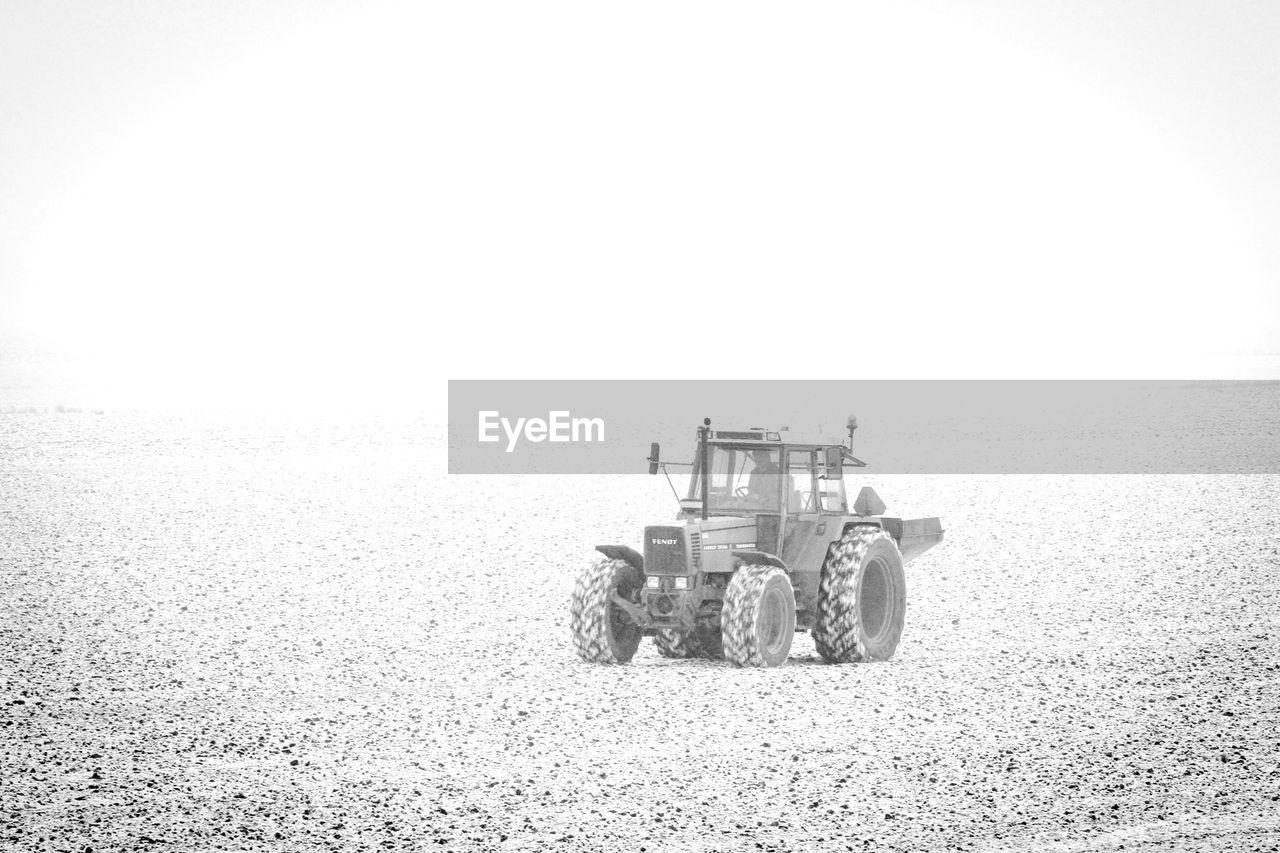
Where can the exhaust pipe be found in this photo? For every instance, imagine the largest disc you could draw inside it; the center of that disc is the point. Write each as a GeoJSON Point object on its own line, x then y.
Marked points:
{"type": "Point", "coordinates": [703, 432]}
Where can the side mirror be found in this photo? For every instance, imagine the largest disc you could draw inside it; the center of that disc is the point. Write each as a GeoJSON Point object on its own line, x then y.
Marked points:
{"type": "Point", "coordinates": [653, 458]}
{"type": "Point", "coordinates": [835, 463]}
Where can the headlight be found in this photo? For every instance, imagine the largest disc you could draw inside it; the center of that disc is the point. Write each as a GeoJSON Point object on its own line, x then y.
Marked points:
{"type": "Point", "coordinates": [679, 583]}
{"type": "Point", "coordinates": [651, 582]}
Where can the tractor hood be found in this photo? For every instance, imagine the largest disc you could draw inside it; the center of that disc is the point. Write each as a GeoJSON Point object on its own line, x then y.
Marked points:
{"type": "Point", "coordinates": [725, 533]}
{"type": "Point", "coordinates": [721, 524]}
{"type": "Point", "coordinates": [696, 545]}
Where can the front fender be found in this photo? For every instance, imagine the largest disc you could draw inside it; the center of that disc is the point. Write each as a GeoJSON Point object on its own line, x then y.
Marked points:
{"type": "Point", "coordinates": [622, 552]}
{"type": "Point", "coordinates": [759, 558]}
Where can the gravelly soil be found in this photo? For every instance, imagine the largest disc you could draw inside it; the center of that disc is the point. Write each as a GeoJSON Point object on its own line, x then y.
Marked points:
{"type": "Point", "coordinates": [230, 633]}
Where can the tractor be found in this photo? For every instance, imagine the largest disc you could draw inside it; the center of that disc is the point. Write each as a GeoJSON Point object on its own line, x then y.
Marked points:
{"type": "Point", "coordinates": [765, 544]}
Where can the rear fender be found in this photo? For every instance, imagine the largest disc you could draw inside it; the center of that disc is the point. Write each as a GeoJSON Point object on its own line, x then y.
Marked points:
{"type": "Point", "coordinates": [861, 522]}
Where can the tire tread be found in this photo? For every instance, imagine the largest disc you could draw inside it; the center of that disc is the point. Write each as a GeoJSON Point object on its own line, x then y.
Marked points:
{"type": "Point", "coordinates": [837, 634]}
{"type": "Point", "coordinates": [589, 611]}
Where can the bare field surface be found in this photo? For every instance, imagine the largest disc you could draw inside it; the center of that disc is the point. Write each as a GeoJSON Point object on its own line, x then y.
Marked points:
{"type": "Point", "coordinates": [238, 633]}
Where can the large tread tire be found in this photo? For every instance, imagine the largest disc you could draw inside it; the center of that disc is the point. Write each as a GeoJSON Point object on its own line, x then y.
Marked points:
{"type": "Point", "coordinates": [862, 598]}
{"type": "Point", "coordinates": [758, 621]}
{"type": "Point", "coordinates": [603, 632]}
{"type": "Point", "coordinates": [676, 644]}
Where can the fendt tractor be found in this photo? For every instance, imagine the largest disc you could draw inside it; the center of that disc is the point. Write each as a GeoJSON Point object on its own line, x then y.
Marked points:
{"type": "Point", "coordinates": [765, 545]}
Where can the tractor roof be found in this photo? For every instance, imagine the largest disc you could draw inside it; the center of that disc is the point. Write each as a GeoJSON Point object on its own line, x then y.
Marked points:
{"type": "Point", "coordinates": [745, 435]}
{"type": "Point", "coordinates": [767, 439]}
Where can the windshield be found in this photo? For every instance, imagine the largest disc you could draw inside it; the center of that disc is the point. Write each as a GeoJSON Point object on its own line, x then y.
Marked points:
{"type": "Point", "coordinates": [742, 478]}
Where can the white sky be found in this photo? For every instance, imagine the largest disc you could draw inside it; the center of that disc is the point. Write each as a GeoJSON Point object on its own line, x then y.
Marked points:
{"type": "Point", "coordinates": [229, 202]}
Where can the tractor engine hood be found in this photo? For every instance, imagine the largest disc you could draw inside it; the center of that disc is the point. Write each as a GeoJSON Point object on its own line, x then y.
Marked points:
{"type": "Point", "coordinates": [671, 549]}
{"type": "Point", "coordinates": [720, 524]}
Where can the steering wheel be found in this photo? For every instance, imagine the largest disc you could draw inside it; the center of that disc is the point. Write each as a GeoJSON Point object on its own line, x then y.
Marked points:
{"type": "Point", "coordinates": [741, 492]}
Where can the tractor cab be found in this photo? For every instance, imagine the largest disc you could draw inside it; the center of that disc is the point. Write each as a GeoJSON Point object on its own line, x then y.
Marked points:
{"type": "Point", "coordinates": [767, 476]}
{"type": "Point", "coordinates": [784, 492]}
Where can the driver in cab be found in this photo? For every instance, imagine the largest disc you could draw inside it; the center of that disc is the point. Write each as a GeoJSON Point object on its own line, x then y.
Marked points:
{"type": "Point", "coordinates": [764, 481]}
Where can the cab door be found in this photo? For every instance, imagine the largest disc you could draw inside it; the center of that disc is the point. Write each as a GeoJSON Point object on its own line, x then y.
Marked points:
{"type": "Point", "coordinates": [800, 501]}
{"type": "Point", "coordinates": [803, 541]}
{"type": "Point", "coordinates": [800, 484]}
{"type": "Point", "coordinates": [829, 481]}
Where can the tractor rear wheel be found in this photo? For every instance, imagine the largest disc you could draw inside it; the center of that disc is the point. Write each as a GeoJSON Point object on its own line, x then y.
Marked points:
{"type": "Point", "coordinates": [862, 598]}
{"type": "Point", "coordinates": [602, 631]}
{"type": "Point", "coordinates": [759, 616]}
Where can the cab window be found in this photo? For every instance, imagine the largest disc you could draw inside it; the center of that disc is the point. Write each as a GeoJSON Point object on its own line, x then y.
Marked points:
{"type": "Point", "coordinates": [742, 478]}
{"type": "Point", "coordinates": [800, 481]}
{"type": "Point", "coordinates": [831, 494]}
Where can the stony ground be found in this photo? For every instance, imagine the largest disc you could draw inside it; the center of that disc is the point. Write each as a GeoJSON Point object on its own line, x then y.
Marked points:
{"type": "Point", "coordinates": [234, 633]}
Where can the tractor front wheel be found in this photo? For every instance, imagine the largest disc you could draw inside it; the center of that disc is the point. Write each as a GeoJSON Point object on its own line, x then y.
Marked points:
{"type": "Point", "coordinates": [676, 644]}
{"type": "Point", "coordinates": [602, 631]}
{"type": "Point", "coordinates": [759, 616]}
{"type": "Point", "coordinates": [704, 641]}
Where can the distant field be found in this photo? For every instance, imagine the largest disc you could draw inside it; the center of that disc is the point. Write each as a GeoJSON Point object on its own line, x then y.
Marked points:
{"type": "Point", "coordinates": [257, 633]}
